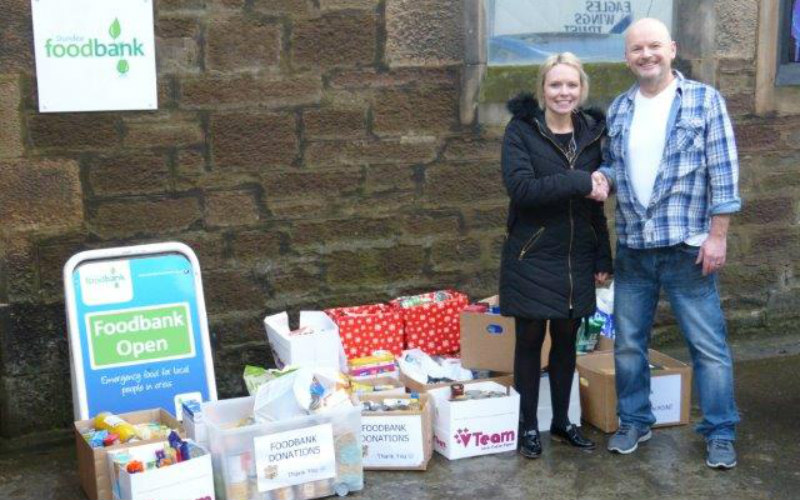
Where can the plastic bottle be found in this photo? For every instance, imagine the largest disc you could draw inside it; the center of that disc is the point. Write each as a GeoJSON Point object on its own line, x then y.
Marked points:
{"type": "Point", "coordinates": [109, 422]}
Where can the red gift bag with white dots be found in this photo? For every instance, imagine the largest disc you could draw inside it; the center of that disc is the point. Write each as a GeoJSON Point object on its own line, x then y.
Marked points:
{"type": "Point", "coordinates": [369, 328]}
{"type": "Point", "coordinates": [432, 321]}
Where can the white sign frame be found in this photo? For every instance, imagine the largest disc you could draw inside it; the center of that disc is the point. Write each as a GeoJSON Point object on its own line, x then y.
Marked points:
{"type": "Point", "coordinates": [95, 55]}
{"type": "Point", "coordinates": [80, 402]}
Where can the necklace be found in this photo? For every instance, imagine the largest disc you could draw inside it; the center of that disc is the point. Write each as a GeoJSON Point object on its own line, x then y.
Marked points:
{"type": "Point", "coordinates": [572, 147]}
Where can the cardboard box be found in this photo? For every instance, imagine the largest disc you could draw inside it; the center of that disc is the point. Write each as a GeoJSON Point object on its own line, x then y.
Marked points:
{"type": "Point", "coordinates": [193, 422]}
{"type": "Point", "coordinates": [189, 480]}
{"type": "Point", "coordinates": [321, 348]}
{"type": "Point", "coordinates": [505, 379]}
{"type": "Point", "coordinates": [397, 387]}
{"type": "Point", "coordinates": [476, 426]}
{"type": "Point", "coordinates": [544, 412]}
{"type": "Point", "coordinates": [397, 440]}
{"type": "Point", "coordinates": [604, 343]}
{"type": "Point", "coordinates": [487, 340]}
{"type": "Point", "coordinates": [92, 468]}
{"type": "Point", "coordinates": [670, 395]}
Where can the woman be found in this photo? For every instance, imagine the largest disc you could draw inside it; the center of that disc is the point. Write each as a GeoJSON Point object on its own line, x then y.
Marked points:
{"type": "Point", "coordinates": [557, 245]}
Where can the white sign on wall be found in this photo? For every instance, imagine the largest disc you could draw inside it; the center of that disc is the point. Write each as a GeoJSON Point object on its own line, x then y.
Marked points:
{"type": "Point", "coordinates": [94, 55]}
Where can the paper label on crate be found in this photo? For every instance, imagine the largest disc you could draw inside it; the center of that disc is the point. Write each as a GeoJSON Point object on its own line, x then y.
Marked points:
{"type": "Point", "coordinates": [665, 396]}
{"type": "Point", "coordinates": [295, 457]}
{"type": "Point", "coordinates": [392, 441]}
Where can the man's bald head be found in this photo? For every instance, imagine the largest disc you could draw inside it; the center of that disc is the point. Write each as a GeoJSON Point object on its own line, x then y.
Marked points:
{"type": "Point", "coordinates": [650, 26]}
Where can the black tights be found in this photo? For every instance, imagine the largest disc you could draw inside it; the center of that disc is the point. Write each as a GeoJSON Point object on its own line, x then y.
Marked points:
{"type": "Point", "coordinates": [527, 367]}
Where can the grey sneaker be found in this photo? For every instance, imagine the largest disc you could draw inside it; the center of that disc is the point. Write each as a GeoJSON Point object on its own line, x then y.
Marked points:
{"type": "Point", "coordinates": [720, 454]}
{"type": "Point", "coordinates": [627, 439]}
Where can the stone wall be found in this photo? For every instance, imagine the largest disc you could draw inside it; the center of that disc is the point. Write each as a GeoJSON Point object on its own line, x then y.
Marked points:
{"type": "Point", "coordinates": [311, 153]}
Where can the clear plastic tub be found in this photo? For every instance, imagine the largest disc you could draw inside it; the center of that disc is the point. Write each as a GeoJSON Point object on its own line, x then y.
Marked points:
{"type": "Point", "coordinates": [297, 459]}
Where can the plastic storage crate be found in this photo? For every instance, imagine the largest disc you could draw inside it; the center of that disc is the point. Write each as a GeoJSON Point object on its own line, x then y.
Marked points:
{"type": "Point", "coordinates": [295, 459]}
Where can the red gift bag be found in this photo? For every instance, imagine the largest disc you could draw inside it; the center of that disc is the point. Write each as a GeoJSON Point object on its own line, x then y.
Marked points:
{"type": "Point", "coordinates": [369, 328]}
{"type": "Point", "coordinates": [432, 320]}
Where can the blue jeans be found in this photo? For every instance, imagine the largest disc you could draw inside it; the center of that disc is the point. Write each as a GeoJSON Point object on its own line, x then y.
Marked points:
{"type": "Point", "coordinates": [639, 277]}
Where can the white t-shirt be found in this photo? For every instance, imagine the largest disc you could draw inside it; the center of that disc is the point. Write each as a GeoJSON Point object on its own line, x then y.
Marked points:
{"type": "Point", "coordinates": [647, 138]}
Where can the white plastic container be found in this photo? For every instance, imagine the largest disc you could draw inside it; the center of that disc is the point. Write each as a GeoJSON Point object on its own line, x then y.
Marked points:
{"type": "Point", "coordinates": [300, 458]}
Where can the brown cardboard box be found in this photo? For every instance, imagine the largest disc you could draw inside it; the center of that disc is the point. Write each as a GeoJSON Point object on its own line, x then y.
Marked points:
{"type": "Point", "coordinates": [92, 467]}
{"type": "Point", "coordinates": [487, 341]}
{"type": "Point", "coordinates": [414, 386]}
{"type": "Point", "coordinates": [385, 381]}
{"type": "Point", "coordinates": [604, 343]}
{"type": "Point", "coordinates": [420, 451]}
{"type": "Point", "coordinates": [671, 390]}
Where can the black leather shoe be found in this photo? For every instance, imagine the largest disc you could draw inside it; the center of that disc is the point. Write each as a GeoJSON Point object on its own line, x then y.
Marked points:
{"type": "Point", "coordinates": [572, 436]}
{"type": "Point", "coordinates": [530, 445]}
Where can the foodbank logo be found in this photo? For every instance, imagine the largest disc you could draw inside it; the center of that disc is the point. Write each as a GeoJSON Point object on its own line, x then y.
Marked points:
{"type": "Point", "coordinates": [80, 47]}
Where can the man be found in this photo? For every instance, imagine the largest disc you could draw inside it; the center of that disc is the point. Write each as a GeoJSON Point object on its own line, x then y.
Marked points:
{"type": "Point", "coordinates": [671, 157]}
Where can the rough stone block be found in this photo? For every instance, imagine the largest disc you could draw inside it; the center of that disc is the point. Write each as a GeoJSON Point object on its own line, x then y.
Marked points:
{"type": "Point", "coordinates": [756, 136]}
{"type": "Point", "coordinates": [74, 130]}
{"type": "Point", "coordinates": [40, 195]}
{"type": "Point", "coordinates": [369, 78]}
{"type": "Point", "coordinates": [254, 142]}
{"type": "Point", "coordinates": [228, 291]}
{"type": "Point", "coordinates": [767, 210]}
{"type": "Point", "coordinates": [164, 130]}
{"type": "Point", "coordinates": [129, 173]}
{"type": "Point", "coordinates": [424, 32]}
{"type": "Point", "coordinates": [473, 148]}
{"type": "Point", "coordinates": [248, 91]}
{"type": "Point", "coordinates": [329, 5]}
{"type": "Point", "coordinates": [173, 5]}
{"type": "Point", "coordinates": [294, 279]}
{"type": "Point", "coordinates": [343, 231]}
{"type": "Point", "coordinates": [11, 131]}
{"type": "Point", "coordinates": [736, 28]}
{"type": "Point", "coordinates": [335, 39]}
{"type": "Point", "coordinates": [257, 245]}
{"type": "Point", "coordinates": [431, 223]}
{"type": "Point", "coordinates": [177, 55]}
{"type": "Point", "coordinates": [18, 271]}
{"type": "Point", "coordinates": [382, 265]}
{"type": "Point", "coordinates": [177, 27]}
{"type": "Point", "coordinates": [464, 182]}
{"type": "Point", "coordinates": [327, 123]}
{"type": "Point", "coordinates": [231, 209]}
{"type": "Point", "coordinates": [487, 218]}
{"type": "Point", "coordinates": [51, 256]}
{"type": "Point", "coordinates": [16, 39]}
{"type": "Point", "coordinates": [35, 402]}
{"type": "Point", "coordinates": [415, 111]}
{"type": "Point", "coordinates": [36, 341]}
{"type": "Point", "coordinates": [242, 43]}
{"type": "Point", "coordinates": [455, 253]}
{"type": "Point", "coordinates": [144, 217]}
{"type": "Point", "coordinates": [210, 248]}
{"type": "Point", "coordinates": [297, 8]}
{"type": "Point", "coordinates": [312, 185]}
{"type": "Point", "coordinates": [370, 152]}
{"type": "Point", "coordinates": [385, 178]}
{"type": "Point", "coordinates": [237, 328]}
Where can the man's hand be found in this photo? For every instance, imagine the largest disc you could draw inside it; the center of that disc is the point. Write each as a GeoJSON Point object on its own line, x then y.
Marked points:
{"type": "Point", "coordinates": [600, 278]}
{"type": "Point", "coordinates": [714, 249]}
{"type": "Point", "coordinates": [600, 187]}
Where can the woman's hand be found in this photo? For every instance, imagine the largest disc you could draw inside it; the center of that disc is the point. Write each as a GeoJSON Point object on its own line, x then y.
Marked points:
{"type": "Point", "coordinates": [600, 278]}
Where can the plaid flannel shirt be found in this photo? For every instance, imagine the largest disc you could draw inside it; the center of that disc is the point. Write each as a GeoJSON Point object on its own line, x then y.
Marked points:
{"type": "Point", "coordinates": [698, 175]}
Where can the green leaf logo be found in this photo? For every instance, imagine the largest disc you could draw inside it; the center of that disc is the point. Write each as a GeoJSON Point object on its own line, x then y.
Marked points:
{"type": "Point", "coordinates": [123, 66]}
{"type": "Point", "coordinates": [115, 29]}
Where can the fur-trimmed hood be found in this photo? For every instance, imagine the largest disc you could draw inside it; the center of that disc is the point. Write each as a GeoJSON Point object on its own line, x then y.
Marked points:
{"type": "Point", "coordinates": [525, 107]}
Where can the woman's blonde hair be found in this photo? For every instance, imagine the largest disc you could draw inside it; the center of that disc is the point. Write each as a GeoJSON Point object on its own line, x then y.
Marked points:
{"type": "Point", "coordinates": [568, 59]}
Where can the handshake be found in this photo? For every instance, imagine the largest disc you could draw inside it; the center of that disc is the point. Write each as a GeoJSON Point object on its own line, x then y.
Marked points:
{"type": "Point", "coordinates": [600, 187]}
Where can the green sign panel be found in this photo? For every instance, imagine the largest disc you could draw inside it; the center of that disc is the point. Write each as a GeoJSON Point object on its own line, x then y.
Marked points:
{"type": "Point", "coordinates": [138, 335]}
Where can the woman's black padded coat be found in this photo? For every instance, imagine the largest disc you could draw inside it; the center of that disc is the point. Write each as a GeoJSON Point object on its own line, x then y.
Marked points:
{"type": "Point", "coordinates": [557, 238]}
